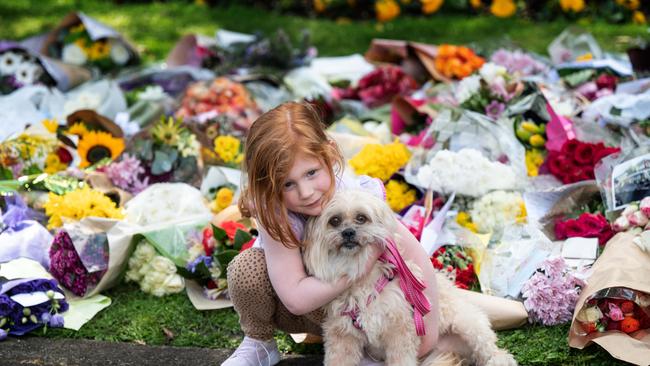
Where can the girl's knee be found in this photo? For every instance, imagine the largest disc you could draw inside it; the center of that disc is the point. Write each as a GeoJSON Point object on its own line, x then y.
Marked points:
{"type": "Point", "coordinates": [247, 272]}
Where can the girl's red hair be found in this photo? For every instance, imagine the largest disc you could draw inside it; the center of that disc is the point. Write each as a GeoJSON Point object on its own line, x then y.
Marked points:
{"type": "Point", "coordinates": [272, 143]}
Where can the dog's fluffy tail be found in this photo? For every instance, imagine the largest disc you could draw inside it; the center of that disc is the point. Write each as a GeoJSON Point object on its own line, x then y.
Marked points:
{"type": "Point", "coordinates": [442, 359]}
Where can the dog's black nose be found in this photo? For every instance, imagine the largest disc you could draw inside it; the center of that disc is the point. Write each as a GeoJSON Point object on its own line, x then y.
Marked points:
{"type": "Point", "coordinates": [348, 233]}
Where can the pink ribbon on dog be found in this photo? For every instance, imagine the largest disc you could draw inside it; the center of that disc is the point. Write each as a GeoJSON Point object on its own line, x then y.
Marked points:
{"type": "Point", "coordinates": [410, 285]}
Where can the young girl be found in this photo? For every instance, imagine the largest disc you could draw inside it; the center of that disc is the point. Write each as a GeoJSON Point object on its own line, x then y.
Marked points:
{"type": "Point", "coordinates": [292, 170]}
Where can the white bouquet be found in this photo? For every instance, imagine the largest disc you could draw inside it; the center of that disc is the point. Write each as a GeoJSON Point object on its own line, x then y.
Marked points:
{"type": "Point", "coordinates": [497, 209]}
{"type": "Point", "coordinates": [466, 172]}
{"type": "Point", "coordinates": [154, 273]}
{"type": "Point", "coordinates": [166, 202]}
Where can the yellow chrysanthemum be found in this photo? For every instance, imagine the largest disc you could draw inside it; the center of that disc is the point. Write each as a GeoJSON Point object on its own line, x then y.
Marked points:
{"type": "Point", "coordinates": [638, 17]}
{"type": "Point", "coordinates": [523, 214]}
{"type": "Point", "coordinates": [97, 145]}
{"type": "Point", "coordinates": [222, 199]}
{"type": "Point", "coordinates": [575, 6]}
{"type": "Point", "coordinates": [76, 205]}
{"type": "Point", "coordinates": [50, 124]}
{"type": "Point", "coordinates": [380, 161]}
{"type": "Point", "coordinates": [534, 159]}
{"type": "Point", "coordinates": [431, 6]}
{"type": "Point", "coordinates": [99, 50]}
{"type": "Point", "coordinates": [228, 149]}
{"type": "Point", "coordinates": [465, 220]}
{"type": "Point", "coordinates": [503, 8]}
{"type": "Point", "coordinates": [630, 4]}
{"type": "Point", "coordinates": [78, 129]}
{"type": "Point", "coordinates": [476, 3]}
{"type": "Point", "coordinates": [386, 10]}
{"type": "Point", "coordinates": [53, 164]}
{"type": "Point", "coordinates": [399, 195]}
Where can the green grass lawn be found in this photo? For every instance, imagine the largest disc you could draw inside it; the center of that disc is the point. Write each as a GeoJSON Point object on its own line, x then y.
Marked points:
{"type": "Point", "coordinates": [154, 28]}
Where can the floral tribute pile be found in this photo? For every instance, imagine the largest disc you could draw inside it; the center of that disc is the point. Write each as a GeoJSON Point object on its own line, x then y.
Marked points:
{"type": "Point", "coordinates": [526, 167]}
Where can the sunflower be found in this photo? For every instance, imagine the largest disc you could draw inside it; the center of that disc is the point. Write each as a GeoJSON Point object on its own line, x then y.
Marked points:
{"type": "Point", "coordinates": [50, 124]}
{"type": "Point", "coordinates": [95, 146]}
{"type": "Point", "coordinates": [78, 129]}
{"type": "Point", "coordinates": [167, 132]}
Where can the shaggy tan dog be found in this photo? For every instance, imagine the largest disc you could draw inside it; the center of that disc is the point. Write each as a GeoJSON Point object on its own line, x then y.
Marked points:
{"type": "Point", "coordinates": [338, 243]}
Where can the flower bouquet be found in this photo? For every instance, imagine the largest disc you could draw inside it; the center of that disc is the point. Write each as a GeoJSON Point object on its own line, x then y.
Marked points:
{"type": "Point", "coordinates": [493, 211]}
{"type": "Point", "coordinates": [380, 86]}
{"type": "Point", "coordinates": [457, 264]}
{"type": "Point", "coordinates": [614, 302]}
{"type": "Point", "coordinates": [456, 62]}
{"type": "Point", "coordinates": [18, 68]}
{"type": "Point", "coordinates": [205, 100]}
{"type": "Point", "coordinates": [95, 138]}
{"type": "Point", "coordinates": [168, 152]}
{"type": "Point", "coordinates": [576, 160]}
{"type": "Point", "coordinates": [81, 40]}
{"type": "Point", "coordinates": [615, 309]}
{"type": "Point", "coordinates": [490, 91]}
{"type": "Point", "coordinates": [79, 258]}
{"type": "Point", "coordinates": [156, 274]}
{"type": "Point", "coordinates": [28, 154]}
{"type": "Point", "coordinates": [551, 293]}
{"type": "Point", "coordinates": [28, 304]}
{"type": "Point", "coordinates": [587, 225]}
{"type": "Point", "coordinates": [518, 62]}
{"type": "Point", "coordinates": [218, 246]}
{"type": "Point", "coordinates": [380, 161]}
{"type": "Point", "coordinates": [77, 204]}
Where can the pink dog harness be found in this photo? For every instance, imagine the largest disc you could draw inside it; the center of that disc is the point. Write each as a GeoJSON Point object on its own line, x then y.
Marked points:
{"type": "Point", "coordinates": [410, 285]}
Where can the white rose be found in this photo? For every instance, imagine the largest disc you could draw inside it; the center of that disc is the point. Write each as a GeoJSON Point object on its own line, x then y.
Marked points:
{"type": "Point", "coordinates": [468, 87]}
{"type": "Point", "coordinates": [73, 54]}
{"type": "Point", "coordinates": [119, 54]}
{"type": "Point", "coordinates": [84, 100]}
{"type": "Point", "coordinates": [9, 62]}
{"type": "Point", "coordinates": [489, 71]}
{"type": "Point", "coordinates": [145, 252]}
{"type": "Point", "coordinates": [152, 93]}
{"type": "Point", "coordinates": [133, 275]}
{"type": "Point", "coordinates": [173, 284]}
{"type": "Point", "coordinates": [590, 314]}
{"type": "Point", "coordinates": [163, 265]}
{"type": "Point", "coordinates": [425, 176]}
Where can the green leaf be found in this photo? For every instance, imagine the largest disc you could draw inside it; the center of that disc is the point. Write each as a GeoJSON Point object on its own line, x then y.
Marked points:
{"type": "Point", "coordinates": [162, 163]}
{"type": "Point", "coordinates": [6, 174]}
{"type": "Point", "coordinates": [219, 234]}
{"type": "Point", "coordinates": [224, 258]}
{"type": "Point", "coordinates": [241, 238]}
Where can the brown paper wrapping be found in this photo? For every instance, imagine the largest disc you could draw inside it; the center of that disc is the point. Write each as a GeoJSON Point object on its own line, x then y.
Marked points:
{"type": "Point", "coordinates": [95, 120]}
{"type": "Point", "coordinates": [417, 59]}
{"type": "Point", "coordinates": [622, 264]}
{"type": "Point", "coordinates": [503, 313]}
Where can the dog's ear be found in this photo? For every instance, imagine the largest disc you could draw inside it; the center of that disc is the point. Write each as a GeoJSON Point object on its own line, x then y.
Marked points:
{"type": "Point", "coordinates": [315, 253]}
{"type": "Point", "coordinates": [383, 213]}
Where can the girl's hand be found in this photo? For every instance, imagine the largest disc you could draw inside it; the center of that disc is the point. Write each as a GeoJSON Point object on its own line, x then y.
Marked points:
{"type": "Point", "coordinates": [375, 252]}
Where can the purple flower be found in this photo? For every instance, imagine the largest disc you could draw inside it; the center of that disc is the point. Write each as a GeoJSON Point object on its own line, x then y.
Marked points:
{"type": "Point", "coordinates": [125, 174]}
{"type": "Point", "coordinates": [3, 334]}
{"type": "Point", "coordinates": [551, 294]}
{"type": "Point", "coordinates": [17, 212]}
{"type": "Point", "coordinates": [45, 318]}
{"type": "Point", "coordinates": [56, 321]}
{"type": "Point", "coordinates": [518, 62]}
{"type": "Point", "coordinates": [200, 259]}
{"type": "Point", "coordinates": [494, 109]}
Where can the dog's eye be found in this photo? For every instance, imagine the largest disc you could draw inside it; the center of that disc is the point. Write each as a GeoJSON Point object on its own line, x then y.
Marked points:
{"type": "Point", "coordinates": [361, 219]}
{"type": "Point", "coordinates": [335, 221]}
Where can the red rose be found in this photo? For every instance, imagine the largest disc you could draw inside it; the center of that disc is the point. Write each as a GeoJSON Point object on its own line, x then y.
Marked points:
{"type": "Point", "coordinates": [230, 227]}
{"type": "Point", "coordinates": [560, 230]}
{"type": "Point", "coordinates": [605, 235]}
{"type": "Point", "coordinates": [436, 263]}
{"type": "Point", "coordinates": [584, 153]}
{"type": "Point", "coordinates": [599, 154]}
{"type": "Point", "coordinates": [606, 81]}
{"type": "Point", "coordinates": [570, 146]}
{"type": "Point", "coordinates": [593, 224]}
{"type": "Point", "coordinates": [573, 229]}
{"type": "Point", "coordinates": [556, 163]}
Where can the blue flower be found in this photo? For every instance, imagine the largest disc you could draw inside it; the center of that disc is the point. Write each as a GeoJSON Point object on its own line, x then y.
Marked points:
{"type": "Point", "coordinates": [56, 321]}
{"type": "Point", "coordinates": [200, 259]}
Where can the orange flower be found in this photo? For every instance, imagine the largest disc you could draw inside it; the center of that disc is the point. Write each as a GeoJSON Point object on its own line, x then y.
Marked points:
{"type": "Point", "coordinates": [475, 3]}
{"type": "Point", "coordinates": [456, 61]}
{"type": "Point", "coordinates": [503, 8]}
{"type": "Point", "coordinates": [386, 10]}
{"type": "Point", "coordinates": [575, 6]}
{"type": "Point", "coordinates": [630, 4]}
{"type": "Point", "coordinates": [638, 17]}
{"type": "Point", "coordinates": [431, 6]}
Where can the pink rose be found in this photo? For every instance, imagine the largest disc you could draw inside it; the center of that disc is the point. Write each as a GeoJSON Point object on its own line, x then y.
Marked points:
{"type": "Point", "coordinates": [638, 219]}
{"type": "Point", "coordinates": [645, 206]}
{"type": "Point", "coordinates": [621, 223]}
{"type": "Point", "coordinates": [615, 312]}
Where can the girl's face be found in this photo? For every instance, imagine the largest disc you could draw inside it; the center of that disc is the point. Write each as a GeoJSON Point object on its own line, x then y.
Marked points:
{"type": "Point", "coordinates": [305, 189]}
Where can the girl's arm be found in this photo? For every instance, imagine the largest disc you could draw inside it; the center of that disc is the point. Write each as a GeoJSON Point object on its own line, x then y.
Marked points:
{"type": "Point", "coordinates": [415, 252]}
{"type": "Point", "coordinates": [299, 292]}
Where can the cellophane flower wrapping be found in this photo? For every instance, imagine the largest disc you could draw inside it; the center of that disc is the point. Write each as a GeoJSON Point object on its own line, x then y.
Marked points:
{"type": "Point", "coordinates": [28, 304]}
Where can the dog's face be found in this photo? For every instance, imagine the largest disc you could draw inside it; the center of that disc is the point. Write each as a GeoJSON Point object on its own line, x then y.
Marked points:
{"type": "Point", "coordinates": [338, 241]}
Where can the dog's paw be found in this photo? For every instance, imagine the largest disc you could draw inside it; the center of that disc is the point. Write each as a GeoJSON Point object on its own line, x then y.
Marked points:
{"type": "Point", "coordinates": [501, 358]}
